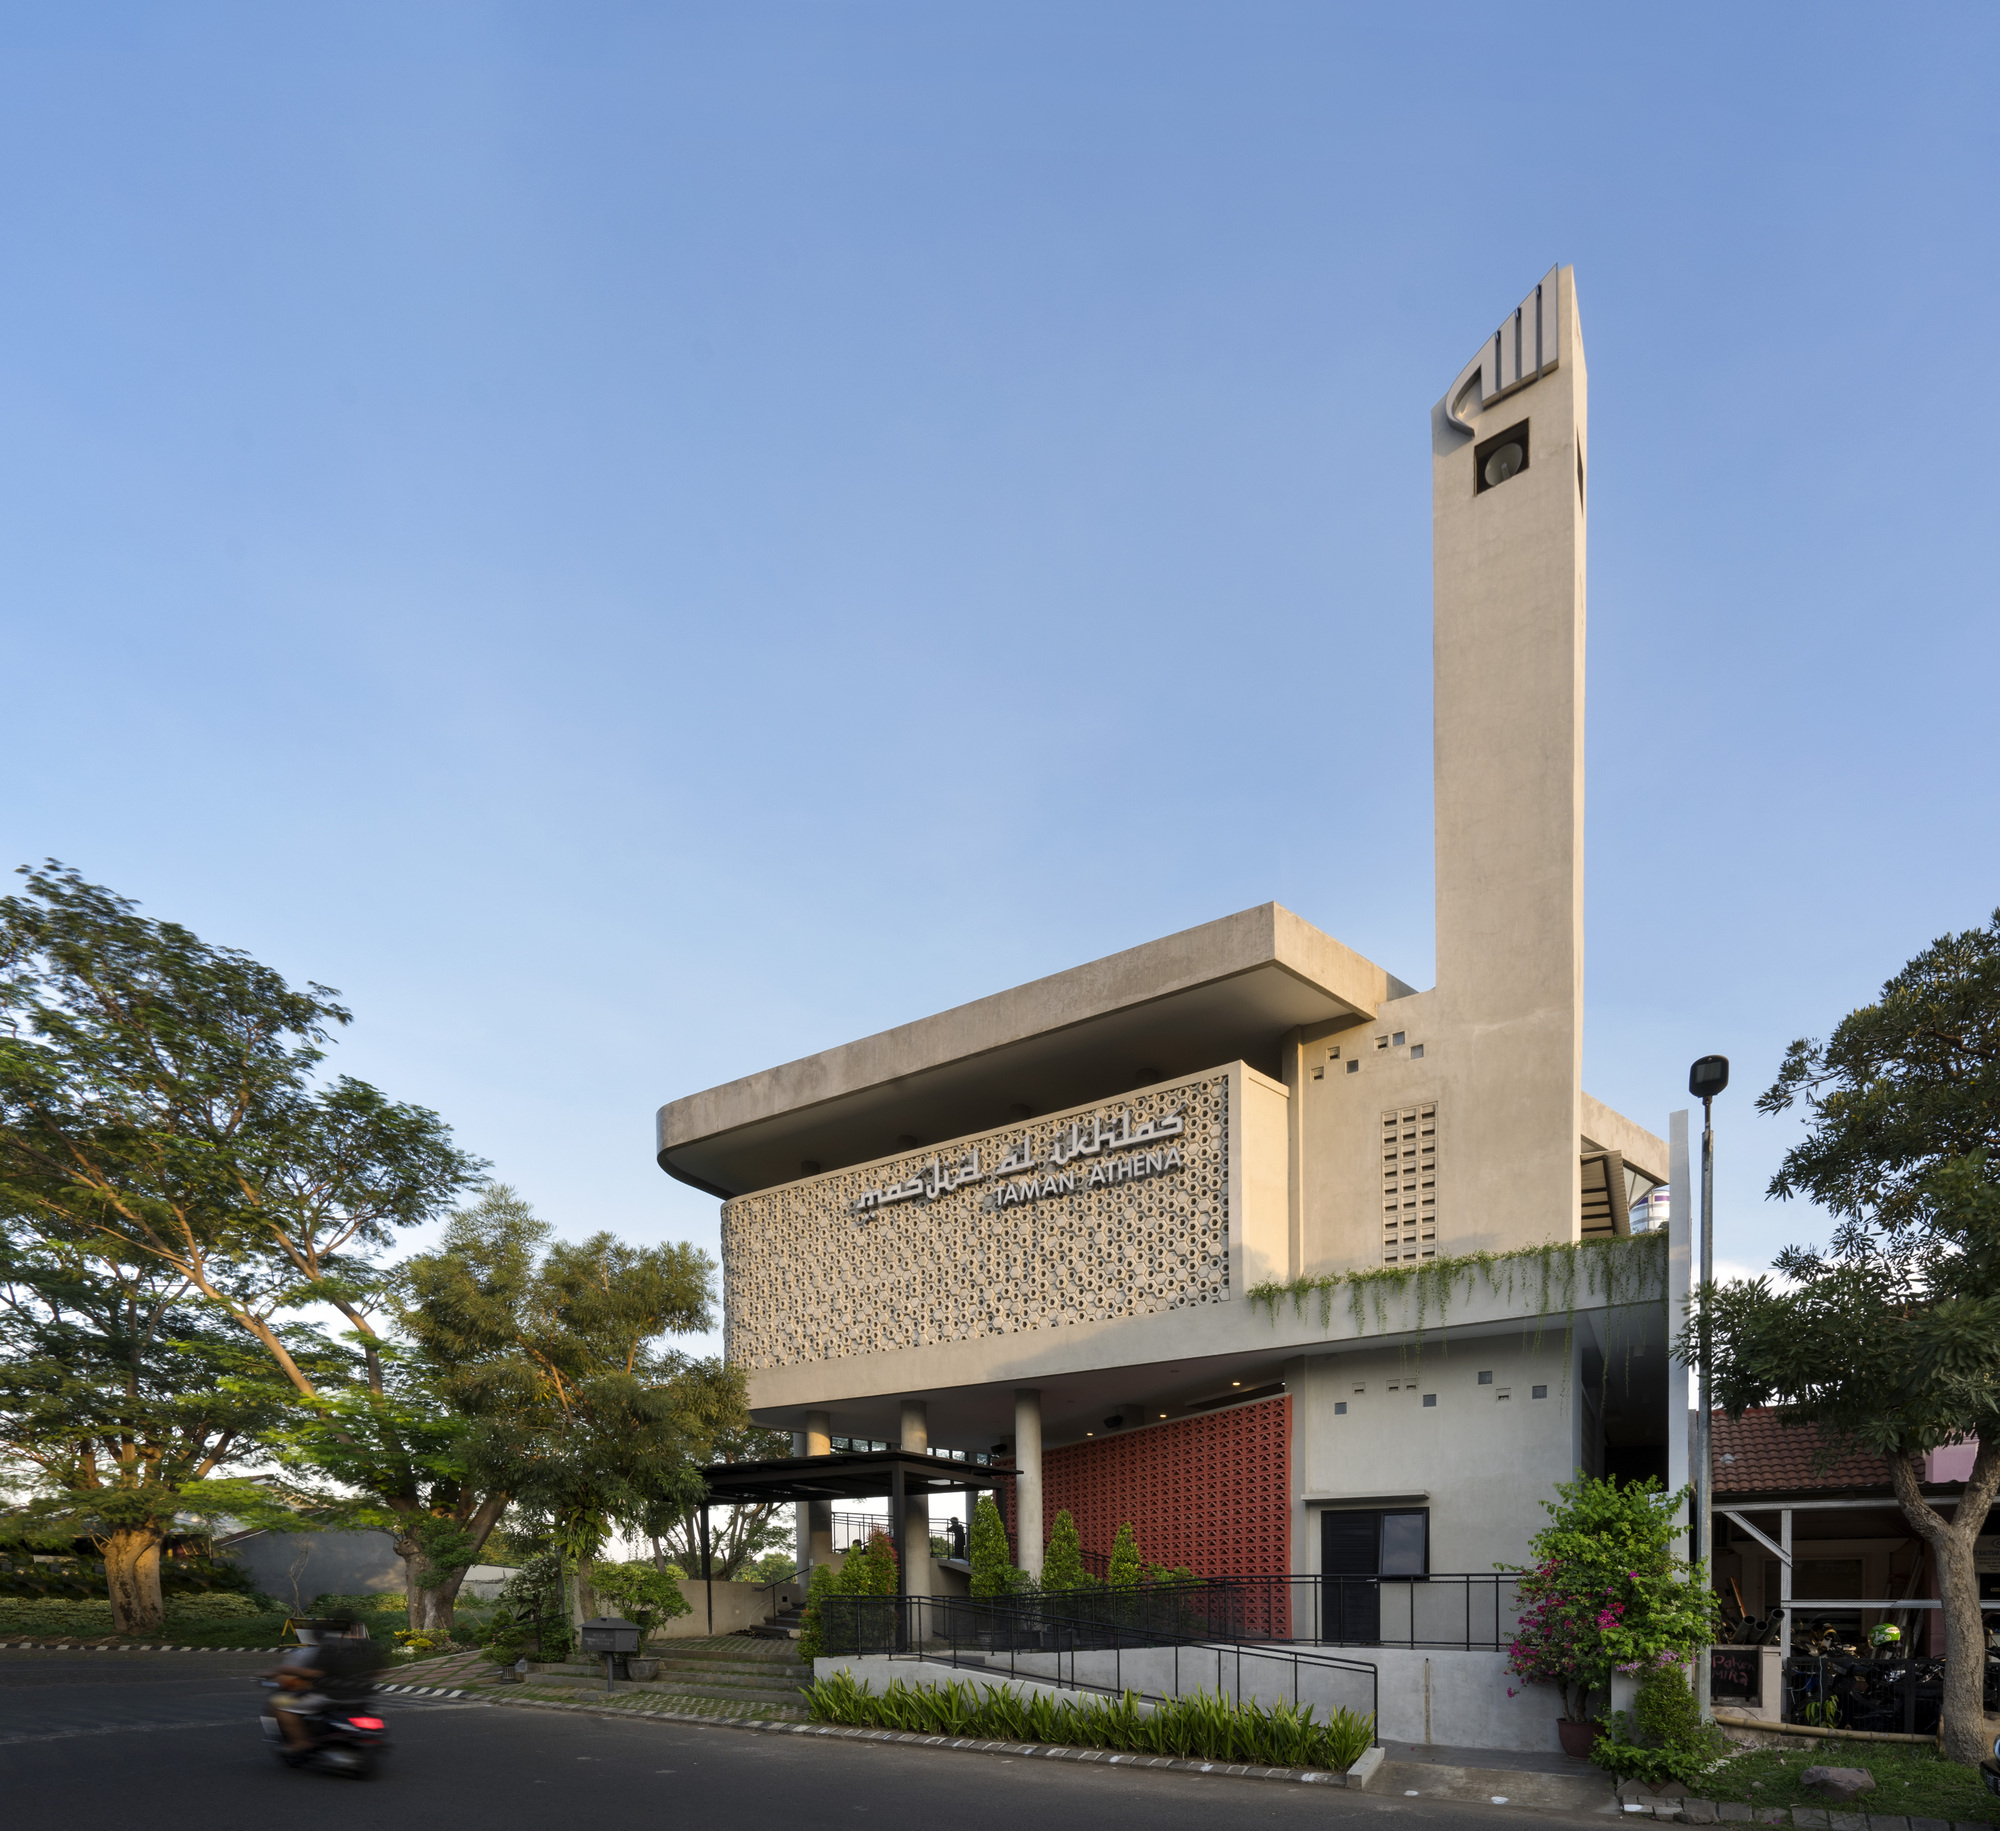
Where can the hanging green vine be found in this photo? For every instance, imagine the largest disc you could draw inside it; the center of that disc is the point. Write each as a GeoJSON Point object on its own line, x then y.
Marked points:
{"type": "Point", "coordinates": [1620, 1271]}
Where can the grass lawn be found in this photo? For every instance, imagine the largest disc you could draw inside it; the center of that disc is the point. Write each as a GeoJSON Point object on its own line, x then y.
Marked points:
{"type": "Point", "coordinates": [1910, 1781]}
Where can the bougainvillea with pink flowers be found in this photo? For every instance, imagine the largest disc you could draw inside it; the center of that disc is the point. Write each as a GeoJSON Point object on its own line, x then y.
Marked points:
{"type": "Point", "coordinates": [1608, 1591]}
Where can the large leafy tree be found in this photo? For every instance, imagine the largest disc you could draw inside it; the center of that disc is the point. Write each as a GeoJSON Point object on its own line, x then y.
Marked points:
{"type": "Point", "coordinates": [1889, 1336]}
{"type": "Point", "coordinates": [130, 1404]}
{"type": "Point", "coordinates": [551, 1356]}
{"type": "Point", "coordinates": [740, 1535]}
{"type": "Point", "coordinates": [161, 1104]}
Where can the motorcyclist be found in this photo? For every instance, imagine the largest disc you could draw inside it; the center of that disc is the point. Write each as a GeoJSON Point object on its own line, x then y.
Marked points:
{"type": "Point", "coordinates": [309, 1677]}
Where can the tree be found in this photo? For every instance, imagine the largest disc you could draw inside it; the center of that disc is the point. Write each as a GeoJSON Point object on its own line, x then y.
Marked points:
{"type": "Point", "coordinates": [747, 1532]}
{"type": "Point", "coordinates": [128, 1404]}
{"type": "Point", "coordinates": [1062, 1565]}
{"type": "Point", "coordinates": [1889, 1339]}
{"type": "Point", "coordinates": [160, 1103]}
{"type": "Point", "coordinates": [548, 1355]}
{"type": "Point", "coordinates": [1607, 1591]}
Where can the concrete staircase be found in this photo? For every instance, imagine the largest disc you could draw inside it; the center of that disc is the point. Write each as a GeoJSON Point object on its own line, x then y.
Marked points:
{"type": "Point", "coordinates": [759, 1674]}
{"type": "Point", "coordinates": [786, 1626]}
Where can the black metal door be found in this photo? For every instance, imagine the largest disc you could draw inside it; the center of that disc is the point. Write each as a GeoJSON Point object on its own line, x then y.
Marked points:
{"type": "Point", "coordinates": [1350, 1558]}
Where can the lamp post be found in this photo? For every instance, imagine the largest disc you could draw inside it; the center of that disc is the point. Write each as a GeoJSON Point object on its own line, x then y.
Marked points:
{"type": "Point", "coordinates": [1707, 1078]}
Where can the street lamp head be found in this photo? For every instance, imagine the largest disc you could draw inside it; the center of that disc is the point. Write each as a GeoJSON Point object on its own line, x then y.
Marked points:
{"type": "Point", "coordinates": [1708, 1077]}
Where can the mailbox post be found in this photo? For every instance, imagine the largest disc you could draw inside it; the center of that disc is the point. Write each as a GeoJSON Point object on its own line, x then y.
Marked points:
{"type": "Point", "coordinates": [614, 1639]}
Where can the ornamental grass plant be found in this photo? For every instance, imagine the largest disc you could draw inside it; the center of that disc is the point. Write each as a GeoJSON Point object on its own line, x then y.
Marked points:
{"type": "Point", "coordinates": [1203, 1725]}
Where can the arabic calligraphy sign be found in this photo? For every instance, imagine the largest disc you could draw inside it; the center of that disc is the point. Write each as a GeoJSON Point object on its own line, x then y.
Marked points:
{"type": "Point", "coordinates": [1084, 1138]}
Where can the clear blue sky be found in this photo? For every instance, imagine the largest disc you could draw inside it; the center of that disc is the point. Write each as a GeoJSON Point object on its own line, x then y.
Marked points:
{"type": "Point", "coordinates": [644, 541]}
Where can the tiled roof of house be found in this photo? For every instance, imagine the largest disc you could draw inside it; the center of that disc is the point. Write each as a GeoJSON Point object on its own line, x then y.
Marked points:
{"type": "Point", "coordinates": [1756, 1454]}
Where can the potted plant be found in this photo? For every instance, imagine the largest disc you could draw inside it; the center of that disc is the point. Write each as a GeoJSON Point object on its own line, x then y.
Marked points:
{"type": "Point", "coordinates": [1607, 1593]}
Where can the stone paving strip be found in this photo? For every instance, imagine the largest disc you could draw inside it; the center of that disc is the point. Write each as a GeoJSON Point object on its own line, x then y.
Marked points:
{"type": "Point", "coordinates": [1807, 1818]}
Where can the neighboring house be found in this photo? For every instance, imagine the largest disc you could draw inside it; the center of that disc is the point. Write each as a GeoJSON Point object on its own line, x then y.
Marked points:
{"type": "Point", "coordinates": [297, 1566]}
{"type": "Point", "coordinates": [1854, 1561]}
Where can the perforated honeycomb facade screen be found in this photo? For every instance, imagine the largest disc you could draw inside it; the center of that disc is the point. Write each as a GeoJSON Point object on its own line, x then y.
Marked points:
{"type": "Point", "coordinates": [1102, 1213]}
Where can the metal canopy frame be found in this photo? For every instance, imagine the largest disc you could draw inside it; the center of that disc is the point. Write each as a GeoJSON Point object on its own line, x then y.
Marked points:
{"type": "Point", "coordinates": [846, 1475]}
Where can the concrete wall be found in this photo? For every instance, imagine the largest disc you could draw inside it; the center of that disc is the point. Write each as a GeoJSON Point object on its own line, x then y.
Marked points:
{"type": "Point", "coordinates": [297, 1566]}
{"type": "Point", "coordinates": [1480, 1462]}
{"type": "Point", "coordinates": [983, 1253]}
{"type": "Point", "coordinates": [1508, 700]}
{"type": "Point", "coordinates": [1452, 1699]}
{"type": "Point", "coordinates": [737, 1606]}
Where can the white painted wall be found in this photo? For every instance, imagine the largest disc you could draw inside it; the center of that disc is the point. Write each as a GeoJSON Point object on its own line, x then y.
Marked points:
{"type": "Point", "coordinates": [1448, 1698]}
{"type": "Point", "coordinates": [1480, 1462]}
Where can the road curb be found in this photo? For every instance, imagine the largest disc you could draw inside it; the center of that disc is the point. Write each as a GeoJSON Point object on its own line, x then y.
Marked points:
{"type": "Point", "coordinates": [963, 1745]}
{"type": "Point", "coordinates": [119, 1646]}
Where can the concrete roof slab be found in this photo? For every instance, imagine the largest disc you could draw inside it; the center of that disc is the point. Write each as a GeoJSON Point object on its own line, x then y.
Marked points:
{"type": "Point", "coordinates": [1226, 991]}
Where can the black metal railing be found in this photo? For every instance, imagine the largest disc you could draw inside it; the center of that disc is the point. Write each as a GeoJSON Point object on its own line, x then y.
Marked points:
{"type": "Point", "coordinates": [1143, 1647]}
{"type": "Point", "coordinates": [1445, 1609]}
{"type": "Point", "coordinates": [1898, 1695]}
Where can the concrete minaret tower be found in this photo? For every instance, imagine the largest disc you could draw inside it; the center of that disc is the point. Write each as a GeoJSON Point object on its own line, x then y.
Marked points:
{"type": "Point", "coordinates": [1508, 475]}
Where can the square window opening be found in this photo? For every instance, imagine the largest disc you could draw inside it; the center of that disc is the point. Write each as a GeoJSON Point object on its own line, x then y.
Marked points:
{"type": "Point", "coordinates": [1538, 1392]}
{"type": "Point", "coordinates": [1500, 458]}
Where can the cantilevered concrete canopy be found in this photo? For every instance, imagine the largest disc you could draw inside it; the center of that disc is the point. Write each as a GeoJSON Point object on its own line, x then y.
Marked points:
{"type": "Point", "coordinates": [1226, 991]}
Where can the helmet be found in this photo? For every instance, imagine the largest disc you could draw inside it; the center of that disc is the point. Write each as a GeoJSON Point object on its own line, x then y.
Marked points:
{"type": "Point", "coordinates": [1885, 1634]}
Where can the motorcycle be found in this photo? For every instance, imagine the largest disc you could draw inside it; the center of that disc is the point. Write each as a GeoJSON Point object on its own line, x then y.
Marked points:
{"type": "Point", "coordinates": [346, 1737]}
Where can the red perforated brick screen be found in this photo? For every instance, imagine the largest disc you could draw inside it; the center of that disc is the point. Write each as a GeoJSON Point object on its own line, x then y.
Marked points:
{"type": "Point", "coordinates": [1212, 1493]}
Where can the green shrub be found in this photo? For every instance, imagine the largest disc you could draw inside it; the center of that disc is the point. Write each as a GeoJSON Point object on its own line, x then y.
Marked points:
{"type": "Point", "coordinates": [993, 1571]}
{"type": "Point", "coordinates": [32, 1617]}
{"type": "Point", "coordinates": [871, 1571]}
{"type": "Point", "coordinates": [645, 1596]}
{"type": "Point", "coordinates": [1200, 1726]}
{"type": "Point", "coordinates": [1062, 1563]}
{"type": "Point", "coordinates": [1128, 1568]}
{"type": "Point", "coordinates": [374, 1602]}
{"type": "Point", "coordinates": [1662, 1737]}
{"type": "Point", "coordinates": [811, 1623]}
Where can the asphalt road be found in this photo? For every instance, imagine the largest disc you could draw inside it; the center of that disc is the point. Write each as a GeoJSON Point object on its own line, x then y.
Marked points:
{"type": "Point", "coordinates": [100, 1741]}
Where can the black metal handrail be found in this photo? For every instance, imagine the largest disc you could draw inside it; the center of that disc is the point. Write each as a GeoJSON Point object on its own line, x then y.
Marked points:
{"type": "Point", "coordinates": [1038, 1641]}
{"type": "Point", "coordinates": [1470, 1611]}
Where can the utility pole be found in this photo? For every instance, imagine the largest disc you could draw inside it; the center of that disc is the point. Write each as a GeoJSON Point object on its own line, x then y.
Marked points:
{"type": "Point", "coordinates": [1707, 1078]}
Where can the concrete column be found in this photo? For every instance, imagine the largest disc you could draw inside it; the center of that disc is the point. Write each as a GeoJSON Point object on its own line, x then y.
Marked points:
{"type": "Point", "coordinates": [1028, 1479]}
{"type": "Point", "coordinates": [802, 1539]}
{"type": "Point", "coordinates": [915, 1550]}
{"type": "Point", "coordinates": [819, 1513]}
{"type": "Point", "coordinates": [1785, 1580]}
